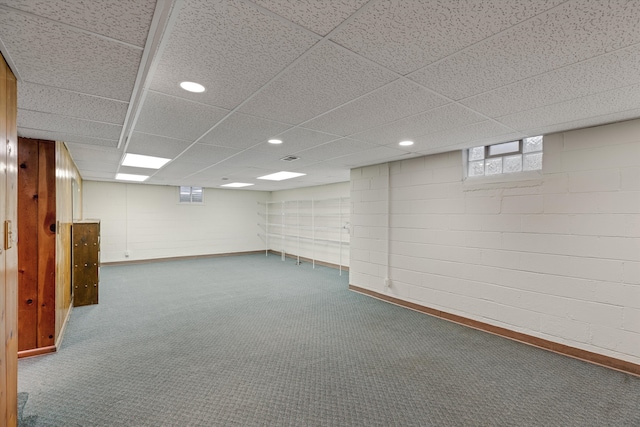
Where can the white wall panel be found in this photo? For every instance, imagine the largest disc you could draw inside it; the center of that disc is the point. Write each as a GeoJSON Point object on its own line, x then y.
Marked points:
{"type": "Point", "coordinates": [148, 222]}
{"type": "Point", "coordinates": [555, 256]}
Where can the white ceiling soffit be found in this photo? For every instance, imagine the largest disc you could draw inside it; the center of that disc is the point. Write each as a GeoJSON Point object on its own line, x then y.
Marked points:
{"type": "Point", "coordinates": [340, 82]}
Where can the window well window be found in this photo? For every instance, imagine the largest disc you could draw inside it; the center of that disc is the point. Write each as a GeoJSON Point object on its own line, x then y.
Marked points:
{"type": "Point", "coordinates": [505, 158]}
{"type": "Point", "coordinates": [191, 195]}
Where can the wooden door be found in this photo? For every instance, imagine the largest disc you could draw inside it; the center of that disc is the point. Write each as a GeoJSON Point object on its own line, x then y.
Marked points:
{"type": "Point", "coordinates": [8, 250]}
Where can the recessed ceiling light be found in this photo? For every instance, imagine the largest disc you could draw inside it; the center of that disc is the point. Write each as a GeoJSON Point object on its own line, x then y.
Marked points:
{"type": "Point", "coordinates": [141, 161]}
{"type": "Point", "coordinates": [192, 87]}
{"type": "Point", "coordinates": [236, 184]}
{"type": "Point", "coordinates": [279, 176]}
{"type": "Point", "coordinates": [275, 141]}
{"type": "Point", "coordinates": [130, 177]}
{"type": "Point", "coordinates": [405, 143]}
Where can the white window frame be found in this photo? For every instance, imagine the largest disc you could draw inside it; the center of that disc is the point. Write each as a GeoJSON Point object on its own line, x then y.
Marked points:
{"type": "Point", "coordinates": [191, 200]}
{"type": "Point", "coordinates": [501, 175]}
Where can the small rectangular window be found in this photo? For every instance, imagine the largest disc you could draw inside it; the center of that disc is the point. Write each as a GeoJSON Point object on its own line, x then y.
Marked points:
{"type": "Point", "coordinates": [505, 148]}
{"type": "Point", "coordinates": [505, 158]}
{"type": "Point", "coordinates": [191, 194]}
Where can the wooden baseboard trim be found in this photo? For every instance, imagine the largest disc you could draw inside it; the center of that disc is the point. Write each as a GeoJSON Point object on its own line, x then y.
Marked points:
{"type": "Point", "coordinates": [310, 260]}
{"type": "Point", "coordinates": [179, 258]}
{"type": "Point", "coordinates": [576, 353]}
{"type": "Point", "coordinates": [37, 351]}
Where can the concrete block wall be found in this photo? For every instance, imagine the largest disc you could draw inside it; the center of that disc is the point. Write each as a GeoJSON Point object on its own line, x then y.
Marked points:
{"type": "Point", "coordinates": [555, 254]}
{"type": "Point", "coordinates": [147, 222]}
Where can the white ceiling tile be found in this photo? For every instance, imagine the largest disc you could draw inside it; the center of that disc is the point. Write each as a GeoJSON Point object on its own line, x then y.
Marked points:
{"type": "Point", "coordinates": [93, 153]}
{"type": "Point", "coordinates": [229, 47]}
{"type": "Point", "coordinates": [600, 74]}
{"type": "Point", "coordinates": [407, 35]}
{"type": "Point", "coordinates": [103, 17]}
{"type": "Point", "coordinates": [65, 137]}
{"type": "Point", "coordinates": [340, 147]}
{"type": "Point", "coordinates": [394, 101]}
{"type": "Point", "coordinates": [52, 100]}
{"type": "Point", "coordinates": [207, 154]}
{"type": "Point", "coordinates": [136, 171]}
{"type": "Point", "coordinates": [98, 176]}
{"type": "Point", "coordinates": [575, 31]}
{"type": "Point", "coordinates": [318, 16]}
{"type": "Point", "coordinates": [446, 117]}
{"type": "Point", "coordinates": [158, 146]}
{"type": "Point", "coordinates": [69, 125]}
{"type": "Point", "coordinates": [178, 169]}
{"type": "Point", "coordinates": [176, 118]}
{"type": "Point", "coordinates": [369, 157]}
{"type": "Point", "coordinates": [295, 140]}
{"type": "Point", "coordinates": [97, 166]}
{"type": "Point", "coordinates": [67, 59]}
{"type": "Point", "coordinates": [327, 78]}
{"type": "Point", "coordinates": [592, 106]}
{"type": "Point", "coordinates": [468, 136]}
{"type": "Point", "coordinates": [241, 131]}
{"type": "Point", "coordinates": [584, 123]}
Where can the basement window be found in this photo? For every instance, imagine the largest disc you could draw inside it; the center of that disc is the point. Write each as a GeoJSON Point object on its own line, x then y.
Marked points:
{"type": "Point", "coordinates": [191, 195]}
{"type": "Point", "coordinates": [505, 158]}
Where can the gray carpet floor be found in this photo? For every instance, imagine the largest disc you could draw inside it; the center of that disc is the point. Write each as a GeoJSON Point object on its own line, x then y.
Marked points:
{"type": "Point", "coordinates": [254, 341]}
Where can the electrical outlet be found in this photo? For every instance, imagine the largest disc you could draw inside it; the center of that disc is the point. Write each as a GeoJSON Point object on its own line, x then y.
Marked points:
{"type": "Point", "coordinates": [126, 254]}
{"type": "Point", "coordinates": [387, 282]}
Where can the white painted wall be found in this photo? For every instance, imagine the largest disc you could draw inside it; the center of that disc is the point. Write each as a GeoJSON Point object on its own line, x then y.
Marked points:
{"type": "Point", "coordinates": [556, 255]}
{"type": "Point", "coordinates": [148, 221]}
{"type": "Point", "coordinates": [314, 220]}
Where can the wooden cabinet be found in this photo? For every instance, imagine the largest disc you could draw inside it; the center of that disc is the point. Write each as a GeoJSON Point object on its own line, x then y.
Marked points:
{"type": "Point", "coordinates": [86, 262]}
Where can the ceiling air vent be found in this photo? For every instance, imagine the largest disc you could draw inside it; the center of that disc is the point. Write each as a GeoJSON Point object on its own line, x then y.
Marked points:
{"type": "Point", "coordinates": [289, 158]}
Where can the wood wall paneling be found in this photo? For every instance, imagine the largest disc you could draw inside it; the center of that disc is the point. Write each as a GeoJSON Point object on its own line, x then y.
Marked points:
{"type": "Point", "coordinates": [28, 162]}
{"type": "Point", "coordinates": [46, 244]}
{"type": "Point", "coordinates": [8, 256]}
{"type": "Point", "coordinates": [66, 194]}
{"type": "Point", "coordinates": [37, 249]}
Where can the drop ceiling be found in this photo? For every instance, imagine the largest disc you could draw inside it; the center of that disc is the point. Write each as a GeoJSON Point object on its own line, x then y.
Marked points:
{"type": "Point", "coordinates": [340, 82]}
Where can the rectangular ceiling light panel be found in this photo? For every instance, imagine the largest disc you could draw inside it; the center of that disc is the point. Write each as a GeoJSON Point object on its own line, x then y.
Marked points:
{"type": "Point", "coordinates": [236, 184]}
{"type": "Point", "coordinates": [130, 177]}
{"type": "Point", "coordinates": [141, 161]}
{"type": "Point", "coordinates": [279, 176]}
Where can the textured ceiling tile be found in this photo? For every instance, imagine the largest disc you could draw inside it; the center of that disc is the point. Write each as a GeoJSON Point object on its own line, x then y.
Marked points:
{"type": "Point", "coordinates": [97, 166]}
{"type": "Point", "coordinates": [329, 169]}
{"type": "Point", "coordinates": [570, 33]}
{"type": "Point", "coordinates": [206, 154]}
{"type": "Point", "coordinates": [318, 16]}
{"type": "Point", "coordinates": [230, 47]}
{"type": "Point", "coordinates": [158, 146]}
{"type": "Point", "coordinates": [394, 101]}
{"type": "Point", "coordinates": [176, 118]}
{"type": "Point", "coordinates": [123, 20]}
{"type": "Point", "coordinates": [59, 57]}
{"type": "Point", "coordinates": [94, 154]}
{"type": "Point", "coordinates": [65, 137]}
{"type": "Point", "coordinates": [370, 157]}
{"type": "Point", "coordinates": [338, 148]}
{"type": "Point", "coordinates": [295, 140]}
{"type": "Point", "coordinates": [584, 123]}
{"type": "Point", "coordinates": [469, 136]}
{"type": "Point", "coordinates": [601, 104]}
{"type": "Point", "coordinates": [178, 169]}
{"type": "Point", "coordinates": [446, 117]}
{"type": "Point", "coordinates": [241, 131]}
{"type": "Point", "coordinates": [61, 124]}
{"type": "Point", "coordinates": [51, 100]}
{"type": "Point", "coordinates": [600, 74]}
{"type": "Point", "coordinates": [407, 35]}
{"type": "Point", "coordinates": [325, 79]}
